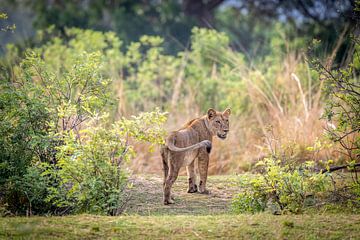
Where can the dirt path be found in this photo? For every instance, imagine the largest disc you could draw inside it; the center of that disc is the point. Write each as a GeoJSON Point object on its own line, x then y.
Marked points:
{"type": "Point", "coordinates": [146, 196]}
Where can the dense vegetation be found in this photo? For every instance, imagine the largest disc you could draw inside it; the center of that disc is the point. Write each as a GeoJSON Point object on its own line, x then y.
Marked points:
{"type": "Point", "coordinates": [58, 146]}
{"type": "Point", "coordinates": [80, 107]}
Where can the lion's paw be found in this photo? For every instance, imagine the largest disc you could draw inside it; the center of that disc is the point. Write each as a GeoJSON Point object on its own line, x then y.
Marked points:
{"type": "Point", "coordinates": [193, 189]}
{"type": "Point", "coordinates": [168, 202]}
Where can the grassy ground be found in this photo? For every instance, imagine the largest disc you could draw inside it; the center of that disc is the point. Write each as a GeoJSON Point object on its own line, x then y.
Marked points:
{"type": "Point", "coordinates": [258, 226]}
{"type": "Point", "coordinates": [194, 216]}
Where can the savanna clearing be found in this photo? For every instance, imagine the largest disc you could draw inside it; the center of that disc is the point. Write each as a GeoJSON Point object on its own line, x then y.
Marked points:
{"type": "Point", "coordinates": [98, 99]}
{"type": "Point", "coordinates": [194, 216]}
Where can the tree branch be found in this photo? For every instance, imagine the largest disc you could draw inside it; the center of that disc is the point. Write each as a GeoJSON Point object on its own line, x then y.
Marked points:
{"type": "Point", "coordinates": [335, 168]}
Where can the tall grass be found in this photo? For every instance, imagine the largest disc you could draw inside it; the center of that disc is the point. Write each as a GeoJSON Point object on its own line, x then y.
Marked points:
{"type": "Point", "coordinates": [283, 113]}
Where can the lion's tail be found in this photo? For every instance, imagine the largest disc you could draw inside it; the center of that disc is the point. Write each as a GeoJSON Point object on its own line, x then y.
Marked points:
{"type": "Point", "coordinates": [172, 147]}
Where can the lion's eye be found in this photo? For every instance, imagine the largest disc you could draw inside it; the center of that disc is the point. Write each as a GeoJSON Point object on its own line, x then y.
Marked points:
{"type": "Point", "coordinates": [217, 121]}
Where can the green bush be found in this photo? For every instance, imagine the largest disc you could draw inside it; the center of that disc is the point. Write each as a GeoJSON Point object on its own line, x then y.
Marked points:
{"type": "Point", "coordinates": [342, 111]}
{"type": "Point", "coordinates": [253, 199]}
{"type": "Point", "coordinates": [342, 89]}
{"type": "Point", "coordinates": [46, 104]}
{"type": "Point", "coordinates": [90, 163]}
{"type": "Point", "coordinates": [32, 190]}
{"type": "Point", "coordinates": [280, 187]}
{"type": "Point", "coordinates": [36, 104]}
{"type": "Point", "coordinates": [23, 138]}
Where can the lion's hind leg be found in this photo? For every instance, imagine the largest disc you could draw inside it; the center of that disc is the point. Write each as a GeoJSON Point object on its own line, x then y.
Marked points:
{"type": "Point", "coordinates": [164, 155]}
{"type": "Point", "coordinates": [171, 178]}
{"type": "Point", "coordinates": [192, 178]}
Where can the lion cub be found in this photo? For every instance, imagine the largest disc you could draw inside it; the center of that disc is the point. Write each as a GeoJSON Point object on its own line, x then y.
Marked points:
{"type": "Point", "coordinates": [192, 141]}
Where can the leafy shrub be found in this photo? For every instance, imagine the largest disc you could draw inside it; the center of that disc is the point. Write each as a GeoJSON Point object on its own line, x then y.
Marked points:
{"type": "Point", "coordinates": [342, 107]}
{"type": "Point", "coordinates": [287, 187]}
{"type": "Point", "coordinates": [90, 164]}
{"type": "Point", "coordinates": [23, 137]}
{"type": "Point", "coordinates": [342, 111]}
{"type": "Point", "coordinates": [253, 199]}
{"type": "Point", "coordinates": [71, 97]}
{"type": "Point", "coordinates": [46, 103]}
{"type": "Point", "coordinates": [32, 190]}
{"type": "Point", "coordinates": [356, 192]}
{"type": "Point", "coordinates": [36, 104]}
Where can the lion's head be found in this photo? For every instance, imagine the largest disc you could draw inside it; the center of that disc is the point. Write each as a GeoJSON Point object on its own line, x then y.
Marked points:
{"type": "Point", "coordinates": [219, 122]}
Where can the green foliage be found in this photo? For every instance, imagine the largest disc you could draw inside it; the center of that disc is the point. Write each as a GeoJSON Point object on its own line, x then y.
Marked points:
{"type": "Point", "coordinates": [104, 16]}
{"type": "Point", "coordinates": [32, 190]}
{"type": "Point", "coordinates": [146, 127]}
{"type": "Point", "coordinates": [90, 163]}
{"type": "Point", "coordinates": [46, 105]}
{"type": "Point", "coordinates": [60, 54]}
{"type": "Point", "coordinates": [36, 100]}
{"type": "Point", "coordinates": [142, 76]}
{"type": "Point", "coordinates": [212, 71]}
{"type": "Point", "coordinates": [250, 26]}
{"type": "Point", "coordinates": [206, 44]}
{"type": "Point", "coordinates": [342, 110]}
{"type": "Point", "coordinates": [70, 97]}
{"type": "Point", "coordinates": [23, 129]}
{"type": "Point", "coordinates": [253, 199]}
{"type": "Point", "coordinates": [288, 188]}
{"type": "Point", "coordinates": [4, 16]}
{"type": "Point", "coordinates": [149, 82]}
{"type": "Point", "coordinates": [355, 188]}
{"type": "Point", "coordinates": [342, 88]}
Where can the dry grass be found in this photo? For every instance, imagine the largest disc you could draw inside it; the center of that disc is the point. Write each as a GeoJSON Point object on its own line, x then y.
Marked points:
{"type": "Point", "coordinates": [289, 103]}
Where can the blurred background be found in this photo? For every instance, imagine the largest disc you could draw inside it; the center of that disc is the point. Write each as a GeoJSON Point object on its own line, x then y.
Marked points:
{"type": "Point", "coordinates": [187, 56]}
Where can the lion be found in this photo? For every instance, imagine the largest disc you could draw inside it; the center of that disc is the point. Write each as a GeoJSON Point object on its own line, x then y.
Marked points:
{"type": "Point", "coordinates": [193, 141]}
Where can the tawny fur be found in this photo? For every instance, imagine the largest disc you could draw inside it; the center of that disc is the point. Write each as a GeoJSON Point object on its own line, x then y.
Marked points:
{"type": "Point", "coordinates": [193, 141]}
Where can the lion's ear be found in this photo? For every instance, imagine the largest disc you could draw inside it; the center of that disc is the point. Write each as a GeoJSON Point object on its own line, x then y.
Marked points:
{"type": "Point", "coordinates": [227, 112]}
{"type": "Point", "coordinates": [211, 113]}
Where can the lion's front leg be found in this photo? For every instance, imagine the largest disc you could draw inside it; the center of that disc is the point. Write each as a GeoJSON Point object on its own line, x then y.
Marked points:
{"type": "Point", "coordinates": [203, 163]}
